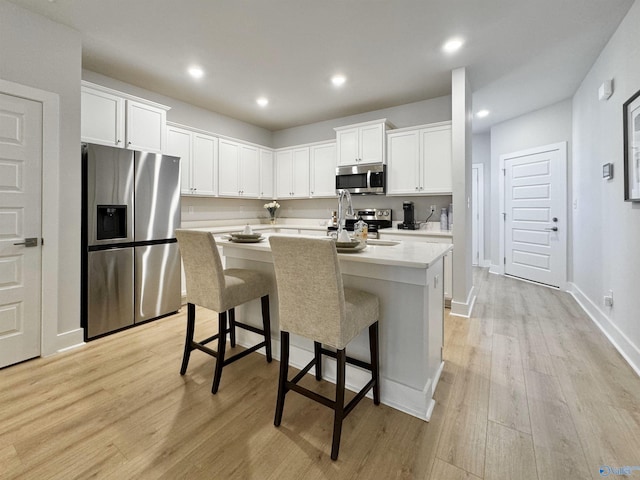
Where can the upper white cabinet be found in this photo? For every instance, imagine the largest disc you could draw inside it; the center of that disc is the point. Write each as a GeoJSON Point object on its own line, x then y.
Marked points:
{"type": "Point", "coordinates": [266, 174]}
{"type": "Point", "coordinates": [239, 169]}
{"type": "Point", "coordinates": [323, 170]}
{"type": "Point", "coordinates": [120, 120]}
{"type": "Point", "coordinates": [292, 173]}
{"type": "Point", "coordinates": [361, 143]}
{"type": "Point", "coordinates": [198, 154]}
{"type": "Point", "coordinates": [419, 160]}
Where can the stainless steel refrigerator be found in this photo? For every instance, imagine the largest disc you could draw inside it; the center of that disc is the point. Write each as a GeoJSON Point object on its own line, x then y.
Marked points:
{"type": "Point", "coordinates": [131, 262]}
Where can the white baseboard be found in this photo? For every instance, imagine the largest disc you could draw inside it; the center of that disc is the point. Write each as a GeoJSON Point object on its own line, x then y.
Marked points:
{"type": "Point", "coordinates": [629, 351]}
{"type": "Point", "coordinates": [418, 403]}
{"type": "Point", "coordinates": [496, 269]}
{"type": "Point", "coordinates": [69, 340]}
{"type": "Point", "coordinates": [464, 309]}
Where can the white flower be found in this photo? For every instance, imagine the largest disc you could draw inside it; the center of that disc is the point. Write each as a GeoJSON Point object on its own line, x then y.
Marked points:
{"type": "Point", "coordinates": [272, 205]}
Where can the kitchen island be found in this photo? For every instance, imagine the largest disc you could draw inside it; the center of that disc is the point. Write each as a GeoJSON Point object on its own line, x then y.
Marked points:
{"type": "Point", "coordinates": [407, 277]}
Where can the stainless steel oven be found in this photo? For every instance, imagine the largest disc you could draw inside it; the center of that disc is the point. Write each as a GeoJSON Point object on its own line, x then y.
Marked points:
{"type": "Point", "coordinates": [362, 179]}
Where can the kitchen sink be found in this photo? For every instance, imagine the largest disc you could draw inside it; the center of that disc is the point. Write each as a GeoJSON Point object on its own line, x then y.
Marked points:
{"type": "Point", "coordinates": [382, 243]}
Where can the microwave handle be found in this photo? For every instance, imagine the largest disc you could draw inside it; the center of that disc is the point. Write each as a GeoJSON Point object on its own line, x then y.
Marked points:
{"type": "Point", "coordinates": [369, 178]}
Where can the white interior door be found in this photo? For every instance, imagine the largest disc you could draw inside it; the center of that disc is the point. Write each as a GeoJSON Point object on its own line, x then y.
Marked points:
{"type": "Point", "coordinates": [535, 215]}
{"type": "Point", "coordinates": [475, 218]}
{"type": "Point", "coordinates": [20, 219]}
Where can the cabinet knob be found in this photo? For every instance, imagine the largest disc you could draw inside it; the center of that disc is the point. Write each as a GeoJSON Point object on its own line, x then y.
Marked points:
{"type": "Point", "coordinates": [129, 143]}
{"type": "Point", "coordinates": [118, 141]}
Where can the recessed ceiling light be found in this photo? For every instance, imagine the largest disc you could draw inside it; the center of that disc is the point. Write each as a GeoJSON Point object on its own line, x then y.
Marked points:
{"type": "Point", "coordinates": [262, 101]}
{"type": "Point", "coordinates": [453, 45]}
{"type": "Point", "coordinates": [338, 80]}
{"type": "Point", "coordinates": [195, 72]}
{"type": "Point", "coordinates": [482, 113]}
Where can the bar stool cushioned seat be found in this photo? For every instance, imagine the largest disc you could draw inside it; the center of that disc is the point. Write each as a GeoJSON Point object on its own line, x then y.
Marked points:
{"type": "Point", "coordinates": [314, 303]}
{"type": "Point", "coordinates": [212, 287]}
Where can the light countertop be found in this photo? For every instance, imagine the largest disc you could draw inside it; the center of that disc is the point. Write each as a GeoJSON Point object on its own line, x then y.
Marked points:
{"type": "Point", "coordinates": [404, 254]}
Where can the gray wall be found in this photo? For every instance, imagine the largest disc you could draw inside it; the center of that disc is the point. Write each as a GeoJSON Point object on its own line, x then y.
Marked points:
{"type": "Point", "coordinates": [411, 114]}
{"type": "Point", "coordinates": [541, 127]}
{"type": "Point", "coordinates": [45, 55]}
{"type": "Point", "coordinates": [606, 228]}
{"type": "Point", "coordinates": [188, 114]}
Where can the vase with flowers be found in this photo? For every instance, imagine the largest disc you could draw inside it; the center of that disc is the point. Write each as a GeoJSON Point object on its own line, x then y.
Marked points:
{"type": "Point", "coordinates": [272, 208]}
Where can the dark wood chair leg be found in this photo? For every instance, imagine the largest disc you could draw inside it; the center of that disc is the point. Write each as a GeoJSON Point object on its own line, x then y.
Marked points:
{"type": "Point", "coordinates": [282, 380]}
{"type": "Point", "coordinates": [318, 356]}
{"type": "Point", "coordinates": [341, 358]}
{"type": "Point", "coordinates": [232, 327]}
{"type": "Point", "coordinates": [222, 345]}
{"type": "Point", "coordinates": [374, 346]}
{"type": "Point", "coordinates": [191, 325]}
{"type": "Point", "coordinates": [266, 325]}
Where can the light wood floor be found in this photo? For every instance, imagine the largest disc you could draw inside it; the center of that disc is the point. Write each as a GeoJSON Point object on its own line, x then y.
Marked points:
{"type": "Point", "coordinates": [531, 390]}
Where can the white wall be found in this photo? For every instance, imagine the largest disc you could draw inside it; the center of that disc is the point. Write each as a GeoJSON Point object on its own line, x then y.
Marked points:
{"type": "Point", "coordinates": [45, 55]}
{"type": "Point", "coordinates": [418, 113]}
{"type": "Point", "coordinates": [188, 114]}
{"type": "Point", "coordinates": [481, 145]}
{"type": "Point", "coordinates": [541, 127]}
{"type": "Point", "coordinates": [606, 246]}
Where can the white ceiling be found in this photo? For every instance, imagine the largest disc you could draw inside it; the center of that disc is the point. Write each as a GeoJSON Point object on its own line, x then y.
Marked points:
{"type": "Point", "coordinates": [520, 54]}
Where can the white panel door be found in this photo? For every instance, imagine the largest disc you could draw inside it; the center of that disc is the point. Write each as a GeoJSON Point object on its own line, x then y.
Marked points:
{"type": "Point", "coordinates": [266, 174]}
{"type": "Point", "coordinates": [20, 218]}
{"type": "Point", "coordinates": [301, 172]}
{"type": "Point", "coordinates": [102, 118]}
{"type": "Point", "coordinates": [475, 219]}
{"type": "Point", "coordinates": [348, 147]}
{"type": "Point", "coordinates": [372, 143]}
{"type": "Point", "coordinates": [437, 160]}
{"type": "Point", "coordinates": [145, 127]}
{"type": "Point", "coordinates": [284, 174]}
{"type": "Point", "coordinates": [536, 223]}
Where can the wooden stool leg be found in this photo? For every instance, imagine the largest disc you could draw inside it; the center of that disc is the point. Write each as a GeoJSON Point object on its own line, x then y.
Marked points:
{"type": "Point", "coordinates": [188, 341]}
{"type": "Point", "coordinates": [318, 356]}
{"type": "Point", "coordinates": [375, 363]}
{"type": "Point", "coordinates": [222, 345]}
{"type": "Point", "coordinates": [282, 380]}
{"type": "Point", "coordinates": [266, 325]}
{"type": "Point", "coordinates": [232, 326]}
{"type": "Point", "coordinates": [341, 358]}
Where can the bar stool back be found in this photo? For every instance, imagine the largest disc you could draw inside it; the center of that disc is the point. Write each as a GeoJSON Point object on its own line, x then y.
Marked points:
{"type": "Point", "coordinates": [314, 303]}
{"type": "Point", "coordinates": [212, 287]}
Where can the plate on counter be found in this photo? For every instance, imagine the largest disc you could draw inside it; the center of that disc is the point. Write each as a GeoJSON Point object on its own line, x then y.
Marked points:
{"type": "Point", "coordinates": [246, 236]}
{"type": "Point", "coordinates": [351, 244]}
{"type": "Point", "coordinates": [246, 240]}
{"type": "Point", "coordinates": [355, 249]}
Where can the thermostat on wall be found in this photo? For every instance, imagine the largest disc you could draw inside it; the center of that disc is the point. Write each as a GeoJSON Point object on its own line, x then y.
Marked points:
{"type": "Point", "coordinates": [607, 171]}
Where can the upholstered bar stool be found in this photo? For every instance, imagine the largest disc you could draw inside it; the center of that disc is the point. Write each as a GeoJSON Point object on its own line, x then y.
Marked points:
{"type": "Point", "coordinates": [314, 303]}
{"type": "Point", "coordinates": [211, 287]}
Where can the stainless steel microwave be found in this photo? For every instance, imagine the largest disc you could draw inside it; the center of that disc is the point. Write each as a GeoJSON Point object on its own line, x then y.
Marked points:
{"type": "Point", "coordinates": [362, 179]}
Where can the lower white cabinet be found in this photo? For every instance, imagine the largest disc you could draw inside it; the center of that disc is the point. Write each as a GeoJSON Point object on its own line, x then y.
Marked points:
{"type": "Point", "coordinates": [292, 173]}
{"type": "Point", "coordinates": [448, 259]}
{"type": "Point", "coordinates": [323, 163]}
{"type": "Point", "coordinates": [198, 160]}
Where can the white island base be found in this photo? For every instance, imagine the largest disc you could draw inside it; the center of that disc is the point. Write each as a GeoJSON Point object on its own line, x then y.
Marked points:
{"type": "Point", "coordinates": [408, 279]}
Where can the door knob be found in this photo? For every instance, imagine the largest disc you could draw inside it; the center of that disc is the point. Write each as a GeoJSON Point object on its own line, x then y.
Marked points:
{"type": "Point", "coordinates": [553, 229]}
{"type": "Point", "coordinates": [554, 219]}
{"type": "Point", "coordinates": [29, 242]}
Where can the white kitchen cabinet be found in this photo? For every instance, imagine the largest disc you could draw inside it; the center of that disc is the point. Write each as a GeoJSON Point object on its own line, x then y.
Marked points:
{"type": "Point", "coordinates": [361, 143]}
{"type": "Point", "coordinates": [266, 174]}
{"type": "Point", "coordinates": [116, 119]}
{"type": "Point", "coordinates": [292, 173]}
{"type": "Point", "coordinates": [419, 160]}
{"type": "Point", "coordinates": [323, 170]}
{"type": "Point", "coordinates": [239, 169]}
{"type": "Point", "coordinates": [448, 264]}
{"type": "Point", "coordinates": [198, 154]}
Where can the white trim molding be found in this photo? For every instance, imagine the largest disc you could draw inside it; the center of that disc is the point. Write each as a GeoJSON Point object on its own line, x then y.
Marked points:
{"type": "Point", "coordinates": [629, 351]}
{"type": "Point", "coordinates": [460, 309]}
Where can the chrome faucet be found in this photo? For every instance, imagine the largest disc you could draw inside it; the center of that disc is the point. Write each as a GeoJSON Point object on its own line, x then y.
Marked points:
{"type": "Point", "coordinates": [342, 194]}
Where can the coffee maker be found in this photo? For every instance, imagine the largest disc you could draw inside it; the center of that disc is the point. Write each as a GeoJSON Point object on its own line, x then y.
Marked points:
{"type": "Point", "coordinates": [409, 217]}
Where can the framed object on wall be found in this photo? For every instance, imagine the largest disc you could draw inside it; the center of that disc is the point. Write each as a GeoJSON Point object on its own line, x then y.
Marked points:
{"type": "Point", "coordinates": [631, 126]}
